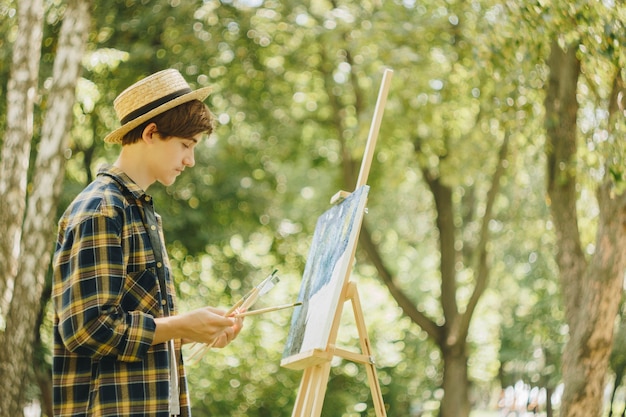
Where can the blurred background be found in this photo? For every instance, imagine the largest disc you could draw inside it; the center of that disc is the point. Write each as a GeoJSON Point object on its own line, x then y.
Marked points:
{"type": "Point", "coordinates": [500, 152]}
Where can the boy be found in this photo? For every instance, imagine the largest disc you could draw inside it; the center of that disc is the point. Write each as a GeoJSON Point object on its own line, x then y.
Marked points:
{"type": "Point", "coordinates": [117, 336]}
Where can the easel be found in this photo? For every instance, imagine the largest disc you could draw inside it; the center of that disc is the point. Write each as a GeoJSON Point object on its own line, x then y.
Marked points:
{"type": "Point", "coordinates": [316, 363]}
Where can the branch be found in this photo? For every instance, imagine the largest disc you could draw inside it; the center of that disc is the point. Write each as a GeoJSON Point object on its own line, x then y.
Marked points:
{"type": "Point", "coordinates": [445, 225]}
{"type": "Point", "coordinates": [348, 164]}
{"type": "Point", "coordinates": [617, 99]}
{"type": "Point", "coordinates": [480, 261]}
{"type": "Point", "coordinates": [407, 306]}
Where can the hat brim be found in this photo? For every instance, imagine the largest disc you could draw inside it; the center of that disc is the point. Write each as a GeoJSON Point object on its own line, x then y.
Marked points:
{"type": "Point", "coordinates": [117, 135]}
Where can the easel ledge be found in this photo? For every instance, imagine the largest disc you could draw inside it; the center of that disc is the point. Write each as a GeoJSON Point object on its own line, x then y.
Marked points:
{"type": "Point", "coordinates": [305, 359]}
{"type": "Point", "coordinates": [317, 356]}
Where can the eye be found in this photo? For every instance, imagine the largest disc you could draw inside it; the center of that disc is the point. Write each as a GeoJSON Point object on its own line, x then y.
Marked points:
{"type": "Point", "coordinates": [189, 143]}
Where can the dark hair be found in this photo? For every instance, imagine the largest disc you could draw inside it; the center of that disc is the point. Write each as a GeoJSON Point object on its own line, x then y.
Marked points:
{"type": "Point", "coordinates": [185, 121]}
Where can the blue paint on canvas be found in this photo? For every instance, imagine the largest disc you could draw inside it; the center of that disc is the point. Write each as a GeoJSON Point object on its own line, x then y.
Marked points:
{"type": "Point", "coordinates": [329, 260]}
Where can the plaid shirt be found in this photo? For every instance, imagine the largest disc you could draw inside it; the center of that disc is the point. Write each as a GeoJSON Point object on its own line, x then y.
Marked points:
{"type": "Point", "coordinates": [106, 295]}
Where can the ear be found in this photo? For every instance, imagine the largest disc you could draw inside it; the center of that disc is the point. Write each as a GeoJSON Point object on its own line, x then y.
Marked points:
{"type": "Point", "coordinates": [149, 132]}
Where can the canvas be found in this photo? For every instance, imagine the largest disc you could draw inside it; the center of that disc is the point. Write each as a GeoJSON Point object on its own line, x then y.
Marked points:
{"type": "Point", "coordinates": [327, 267]}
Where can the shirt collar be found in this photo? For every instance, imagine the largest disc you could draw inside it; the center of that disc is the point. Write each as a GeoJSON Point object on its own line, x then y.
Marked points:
{"type": "Point", "coordinates": [123, 179]}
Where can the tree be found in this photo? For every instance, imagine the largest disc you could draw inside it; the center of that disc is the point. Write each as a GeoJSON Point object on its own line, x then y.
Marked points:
{"type": "Point", "coordinates": [17, 142]}
{"type": "Point", "coordinates": [591, 287]}
{"type": "Point", "coordinates": [23, 280]}
{"type": "Point", "coordinates": [464, 185]}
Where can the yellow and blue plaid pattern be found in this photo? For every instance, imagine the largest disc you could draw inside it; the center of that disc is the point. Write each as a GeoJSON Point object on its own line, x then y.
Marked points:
{"type": "Point", "coordinates": [106, 296]}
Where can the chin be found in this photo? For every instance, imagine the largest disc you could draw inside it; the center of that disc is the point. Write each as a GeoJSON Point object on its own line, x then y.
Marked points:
{"type": "Point", "coordinates": [168, 182]}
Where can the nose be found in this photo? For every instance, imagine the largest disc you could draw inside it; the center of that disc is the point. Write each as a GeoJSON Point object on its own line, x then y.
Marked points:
{"type": "Point", "coordinates": [189, 159]}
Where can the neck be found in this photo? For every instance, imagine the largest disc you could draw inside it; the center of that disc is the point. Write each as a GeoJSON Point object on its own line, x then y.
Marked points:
{"type": "Point", "coordinates": [132, 160]}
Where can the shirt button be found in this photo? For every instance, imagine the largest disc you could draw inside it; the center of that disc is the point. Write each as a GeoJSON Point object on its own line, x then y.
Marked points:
{"type": "Point", "coordinates": [147, 198]}
{"type": "Point", "coordinates": [159, 264]}
{"type": "Point", "coordinates": [153, 227]}
{"type": "Point", "coordinates": [163, 302]}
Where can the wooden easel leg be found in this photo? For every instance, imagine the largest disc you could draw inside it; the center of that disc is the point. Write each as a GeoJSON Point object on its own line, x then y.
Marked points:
{"type": "Point", "coordinates": [314, 382]}
{"type": "Point", "coordinates": [310, 397]}
{"type": "Point", "coordinates": [366, 349]}
{"type": "Point", "coordinates": [298, 409]}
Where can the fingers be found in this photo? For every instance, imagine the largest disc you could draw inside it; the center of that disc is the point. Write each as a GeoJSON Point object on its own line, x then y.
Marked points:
{"type": "Point", "coordinates": [223, 339]}
{"type": "Point", "coordinates": [215, 310]}
{"type": "Point", "coordinates": [209, 325]}
{"type": "Point", "coordinates": [229, 334]}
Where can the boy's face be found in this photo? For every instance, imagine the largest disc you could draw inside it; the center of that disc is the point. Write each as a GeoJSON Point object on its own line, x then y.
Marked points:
{"type": "Point", "coordinates": [169, 157]}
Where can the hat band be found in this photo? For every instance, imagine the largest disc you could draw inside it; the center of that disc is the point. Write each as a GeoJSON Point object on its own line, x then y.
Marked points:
{"type": "Point", "coordinates": [153, 105]}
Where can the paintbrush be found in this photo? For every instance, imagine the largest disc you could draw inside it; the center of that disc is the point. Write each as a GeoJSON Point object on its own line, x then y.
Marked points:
{"type": "Point", "coordinates": [261, 289]}
{"type": "Point", "coordinates": [242, 305]}
{"type": "Point", "coordinates": [266, 310]}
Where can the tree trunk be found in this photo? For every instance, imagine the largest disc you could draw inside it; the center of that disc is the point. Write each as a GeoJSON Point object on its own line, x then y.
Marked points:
{"type": "Point", "coordinates": [455, 402]}
{"type": "Point", "coordinates": [21, 96]}
{"type": "Point", "coordinates": [16, 343]}
{"type": "Point", "coordinates": [591, 291]}
{"type": "Point", "coordinates": [586, 355]}
{"type": "Point", "coordinates": [455, 383]}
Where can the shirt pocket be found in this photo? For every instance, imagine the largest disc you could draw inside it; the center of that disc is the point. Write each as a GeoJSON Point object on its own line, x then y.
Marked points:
{"type": "Point", "coordinates": [142, 293]}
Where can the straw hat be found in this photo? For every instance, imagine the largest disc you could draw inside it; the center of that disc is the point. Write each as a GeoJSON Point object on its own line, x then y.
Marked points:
{"type": "Point", "coordinates": [150, 97]}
